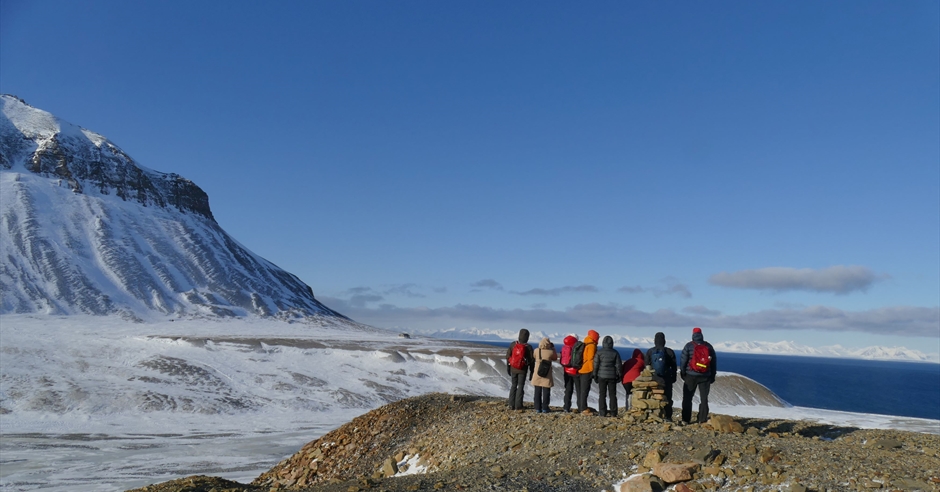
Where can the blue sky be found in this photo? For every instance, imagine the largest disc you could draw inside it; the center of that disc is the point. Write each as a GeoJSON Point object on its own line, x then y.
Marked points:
{"type": "Point", "coordinates": [765, 170]}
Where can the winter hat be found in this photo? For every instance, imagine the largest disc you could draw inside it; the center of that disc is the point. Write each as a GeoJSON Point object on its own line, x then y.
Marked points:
{"type": "Point", "coordinates": [696, 330]}
{"type": "Point", "coordinates": [523, 336]}
{"type": "Point", "coordinates": [660, 340]}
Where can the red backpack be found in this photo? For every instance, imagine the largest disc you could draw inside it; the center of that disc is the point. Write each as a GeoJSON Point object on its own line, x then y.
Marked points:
{"type": "Point", "coordinates": [701, 359]}
{"type": "Point", "coordinates": [517, 358]}
{"type": "Point", "coordinates": [566, 356]}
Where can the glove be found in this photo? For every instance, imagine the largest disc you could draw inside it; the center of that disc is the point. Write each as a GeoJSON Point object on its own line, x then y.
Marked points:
{"type": "Point", "coordinates": [711, 380]}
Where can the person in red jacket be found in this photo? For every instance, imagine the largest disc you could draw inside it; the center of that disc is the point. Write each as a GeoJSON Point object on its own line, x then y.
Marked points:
{"type": "Point", "coordinates": [570, 373]}
{"type": "Point", "coordinates": [632, 368]}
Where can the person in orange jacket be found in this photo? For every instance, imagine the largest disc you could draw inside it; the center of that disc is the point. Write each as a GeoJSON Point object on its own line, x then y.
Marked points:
{"type": "Point", "coordinates": [585, 374]}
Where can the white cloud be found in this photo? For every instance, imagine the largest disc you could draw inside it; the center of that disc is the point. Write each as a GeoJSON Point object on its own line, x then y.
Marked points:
{"type": "Point", "coordinates": [838, 279]}
{"type": "Point", "coordinates": [487, 283]}
{"type": "Point", "coordinates": [701, 310]}
{"type": "Point", "coordinates": [672, 287]}
{"type": "Point", "coordinates": [898, 320]}
{"type": "Point", "coordinates": [558, 290]}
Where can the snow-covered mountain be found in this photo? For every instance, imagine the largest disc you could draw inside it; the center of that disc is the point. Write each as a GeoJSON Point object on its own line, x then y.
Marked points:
{"type": "Point", "coordinates": [86, 229]}
{"type": "Point", "coordinates": [767, 348]}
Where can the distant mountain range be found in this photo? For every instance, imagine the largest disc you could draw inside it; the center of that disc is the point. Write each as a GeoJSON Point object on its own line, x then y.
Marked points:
{"type": "Point", "coordinates": [768, 348]}
{"type": "Point", "coordinates": [86, 229]}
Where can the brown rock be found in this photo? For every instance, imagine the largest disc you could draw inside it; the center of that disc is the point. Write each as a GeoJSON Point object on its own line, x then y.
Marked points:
{"type": "Point", "coordinates": [725, 423]}
{"type": "Point", "coordinates": [642, 483]}
{"type": "Point", "coordinates": [767, 454]}
{"type": "Point", "coordinates": [675, 472]}
{"type": "Point", "coordinates": [389, 468]}
{"type": "Point", "coordinates": [652, 458]}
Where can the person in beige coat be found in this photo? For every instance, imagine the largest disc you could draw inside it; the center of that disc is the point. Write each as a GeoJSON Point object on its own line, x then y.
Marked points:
{"type": "Point", "coordinates": [543, 384]}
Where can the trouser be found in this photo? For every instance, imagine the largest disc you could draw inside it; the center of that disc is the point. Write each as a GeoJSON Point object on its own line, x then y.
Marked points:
{"type": "Point", "coordinates": [516, 388]}
{"type": "Point", "coordinates": [543, 396]}
{"type": "Point", "coordinates": [628, 388]}
{"type": "Point", "coordinates": [688, 391]}
{"type": "Point", "coordinates": [569, 388]}
{"type": "Point", "coordinates": [606, 390]}
{"type": "Point", "coordinates": [667, 410]}
{"type": "Point", "coordinates": [584, 389]}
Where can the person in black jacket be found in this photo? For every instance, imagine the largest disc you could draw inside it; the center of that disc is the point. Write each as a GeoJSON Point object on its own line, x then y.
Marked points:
{"type": "Point", "coordinates": [517, 377]}
{"type": "Point", "coordinates": [607, 375]}
{"type": "Point", "coordinates": [697, 376]}
{"type": "Point", "coordinates": [663, 361]}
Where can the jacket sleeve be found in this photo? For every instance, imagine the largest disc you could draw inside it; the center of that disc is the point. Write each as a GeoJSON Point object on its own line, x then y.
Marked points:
{"type": "Point", "coordinates": [597, 363]}
{"type": "Point", "coordinates": [714, 363]}
{"type": "Point", "coordinates": [671, 365]}
{"type": "Point", "coordinates": [530, 360]}
{"type": "Point", "coordinates": [618, 366]}
{"type": "Point", "coordinates": [683, 360]}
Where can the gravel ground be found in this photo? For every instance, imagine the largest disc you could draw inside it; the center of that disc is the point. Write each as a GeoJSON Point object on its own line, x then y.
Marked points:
{"type": "Point", "coordinates": [477, 443]}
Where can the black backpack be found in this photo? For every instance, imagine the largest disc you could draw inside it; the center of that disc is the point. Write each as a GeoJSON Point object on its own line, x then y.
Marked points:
{"type": "Point", "coordinates": [577, 355]}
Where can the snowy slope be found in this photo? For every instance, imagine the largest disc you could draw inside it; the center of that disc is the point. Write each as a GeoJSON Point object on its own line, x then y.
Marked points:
{"type": "Point", "coordinates": [85, 229]}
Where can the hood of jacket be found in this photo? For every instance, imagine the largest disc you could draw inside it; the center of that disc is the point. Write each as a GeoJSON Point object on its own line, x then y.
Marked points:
{"type": "Point", "coordinates": [638, 355]}
{"type": "Point", "coordinates": [545, 343]}
{"type": "Point", "coordinates": [697, 337]}
{"type": "Point", "coordinates": [570, 340]}
{"type": "Point", "coordinates": [593, 336]}
{"type": "Point", "coordinates": [659, 340]}
{"type": "Point", "coordinates": [523, 336]}
{"type": "Point", "coordinates": [608, 342]}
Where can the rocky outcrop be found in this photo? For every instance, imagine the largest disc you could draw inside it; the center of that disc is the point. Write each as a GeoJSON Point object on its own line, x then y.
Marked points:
{"type": "Point", "coordinates": [453, 442]}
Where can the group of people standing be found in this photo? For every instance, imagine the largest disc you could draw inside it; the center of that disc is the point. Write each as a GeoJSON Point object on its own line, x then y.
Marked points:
{"type": "Point", "coordinates": [583, 363]}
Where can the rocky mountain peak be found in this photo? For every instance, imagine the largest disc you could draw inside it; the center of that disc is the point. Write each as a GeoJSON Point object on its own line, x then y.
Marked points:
{"type": "Point", "coordinates": [86, 229]}
{"type": "Point", "coordinates": [38, 142]}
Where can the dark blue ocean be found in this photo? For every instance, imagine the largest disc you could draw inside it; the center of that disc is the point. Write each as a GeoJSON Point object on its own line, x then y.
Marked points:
{"type": "Point", "coordinates": [910, 389]}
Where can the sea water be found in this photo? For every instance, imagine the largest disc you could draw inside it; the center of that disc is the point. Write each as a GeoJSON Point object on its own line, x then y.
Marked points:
{"type": "Point", "coordinates": [910, 389]}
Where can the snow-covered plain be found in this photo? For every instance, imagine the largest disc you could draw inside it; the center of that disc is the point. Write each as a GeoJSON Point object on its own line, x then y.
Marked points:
{"type": "Point", "coordinates": [100, 403]}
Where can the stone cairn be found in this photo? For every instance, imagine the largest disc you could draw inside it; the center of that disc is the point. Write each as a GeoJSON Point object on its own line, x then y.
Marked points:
{"type": "Point", "coordinates": [648, 398]}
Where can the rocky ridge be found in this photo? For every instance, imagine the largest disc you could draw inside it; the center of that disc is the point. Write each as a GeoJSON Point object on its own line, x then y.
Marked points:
{"type": "Point", "coordinates": [475, 443]}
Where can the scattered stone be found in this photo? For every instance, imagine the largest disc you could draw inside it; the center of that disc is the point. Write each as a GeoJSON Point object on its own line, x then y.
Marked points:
{"type": "Point", "coordinates": [767, 454]}
{"type": "Point", "coordinates": [675, 472]}
{"type": "Point", "coordinates": [652, 458]}
{"type": "Point", "coordinates": [884, 444]}
{"type": "Point", "coordinates": [724, 423]}
{"type": "Point", "coordinates": [389, 468]}
{"type": "Point", "coordinates": [705, 455]}
{"type": "Point", "coordinates": [640, 483]}
{"type": "Point", "coordinates": [911, 484]}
